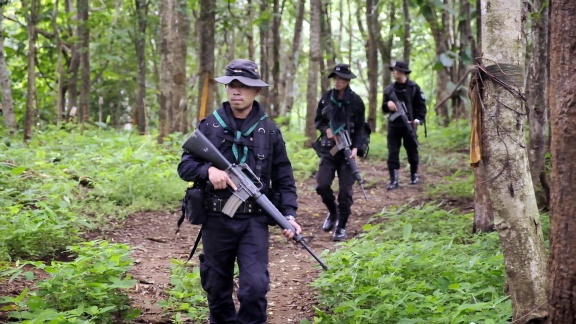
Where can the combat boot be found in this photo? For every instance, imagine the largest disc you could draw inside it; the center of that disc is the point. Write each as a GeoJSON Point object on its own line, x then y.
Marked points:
{"type": "Point", "coordinates": [330, 222]}
{"type": "Point", "coordinates": [339, 234]}
{"type": "Point", "coordinates": [414, 179]}
{"type": "Point", "coordinates": [393, 180]}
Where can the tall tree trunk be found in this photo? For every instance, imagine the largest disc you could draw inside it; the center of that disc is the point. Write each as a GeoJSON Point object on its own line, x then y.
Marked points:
{"type": "Point", "coordinates": [7, 107]}
{"type": "Point", "coordinates": [562, 99]}
{"type": "Point", "coordinates": [516, 216]}
{"type": "Point", "coordinates": [73, 66]}
{"type": "Point", "coordinates": [31, 93]}
{"type": "Point", "coordinates": [84, 48]}
{"type": "Point", "coordinates": [264, 29]}
{"type": "Point", "coordinates": [60, 87]}
{"type": "Point", "coordinates": [275, 95]}
{"type": "Point", "coordinates": [292, 63]}
{"type": "Point", "coordinates": [372, 57]}
{"type": "Point", "coordinates": [407, 25]}
{"type": "Point", "coordinates": [206, 27]}
{"type": "Point", "coordinates": [166, 68]}
{"type": "Point", "coordinates": [313, 72]}
{"type": "Point", "coordinates": [140, 46]}
{"type": "Point", "coordinates": [327, 46]}
{"type": "Point", "coordinates": [181, 32]}
{"type": "Point", "coordinates": [250, 32]}
{"type": "Point", "coordinates": [440, 33]}
{"type": "Point", "coordinates": [465, 51]}
{"type": "Point", "coordinates": [536, 88]}
{"type": "Point", "coordinates": [385, 45]}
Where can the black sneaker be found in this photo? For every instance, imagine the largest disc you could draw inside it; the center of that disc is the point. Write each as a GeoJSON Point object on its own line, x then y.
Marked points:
{"type": "Point", "coordinates": [330, 222]}
{"type": "Point", "coordinates": [414, 179]}
{"type": "Point", "coordinates": [339, 235]}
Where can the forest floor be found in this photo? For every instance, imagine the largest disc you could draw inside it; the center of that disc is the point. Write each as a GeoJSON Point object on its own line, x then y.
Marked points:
{"type": "Point", "coordinates": [291, 299]}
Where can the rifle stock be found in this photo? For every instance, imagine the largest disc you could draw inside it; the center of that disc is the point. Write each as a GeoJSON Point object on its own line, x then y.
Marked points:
{"type": "Point", "coordinates": [244, 179]}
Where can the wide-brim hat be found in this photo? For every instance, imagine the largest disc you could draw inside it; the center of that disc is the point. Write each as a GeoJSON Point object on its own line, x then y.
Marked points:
{"type": "Point", "coordinates": [343, 71]}
{"type": "Point", "coordinates": [400, 66]}
{"type": "Point", "coordinates": [244, 71]}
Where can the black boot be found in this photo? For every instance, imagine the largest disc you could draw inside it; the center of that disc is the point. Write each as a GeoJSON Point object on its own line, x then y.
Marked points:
{"type": "Point", "coordinates": [330, 222]}
{"type": "Point", "coordinates": [339, 234]}
{"type": "Point", "coordinates": [414, 179]}
{"type": "Point", "coordinates": [393, 179]}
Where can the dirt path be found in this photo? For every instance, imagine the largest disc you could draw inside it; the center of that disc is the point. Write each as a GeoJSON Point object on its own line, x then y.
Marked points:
{"type": "Point", "coordinates": [291, 268]}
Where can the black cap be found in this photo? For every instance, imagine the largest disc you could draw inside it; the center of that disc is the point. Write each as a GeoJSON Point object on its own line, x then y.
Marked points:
{"type": "Point", "coordinates": [400, 66]}
{"type": "Point", "coordinates": [244, 71]}
{"type": "Point", "coordinates": [342, 70]}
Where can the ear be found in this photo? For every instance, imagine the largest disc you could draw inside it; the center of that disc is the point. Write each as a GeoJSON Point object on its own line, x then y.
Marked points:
{"type": "Point", "coordinates": [258, 90]}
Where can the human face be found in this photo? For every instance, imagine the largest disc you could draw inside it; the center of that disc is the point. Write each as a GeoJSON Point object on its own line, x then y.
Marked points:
{"type": "Point", "coordinates": [399, 76]}
{"type": "Point", "coordinates": [340, 83]}
{"type": "Point", "coordinates": [240, 95]}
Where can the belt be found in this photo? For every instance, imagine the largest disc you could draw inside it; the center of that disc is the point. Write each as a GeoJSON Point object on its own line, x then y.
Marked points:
{"type": "Point", "coordinates": [216, 204]}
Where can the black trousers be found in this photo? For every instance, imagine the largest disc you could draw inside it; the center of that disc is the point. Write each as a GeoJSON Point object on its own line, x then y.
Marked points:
{"type": "Point", "coordinates": [398, 135]}
{"type": "Point", "coordinates": [327, 170]}
{"type": "Point", "coordinates": [224, 240]}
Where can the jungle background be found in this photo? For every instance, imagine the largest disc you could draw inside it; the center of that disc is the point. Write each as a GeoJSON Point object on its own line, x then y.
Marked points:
{"type": "Point", "coordinates": [98, 96]}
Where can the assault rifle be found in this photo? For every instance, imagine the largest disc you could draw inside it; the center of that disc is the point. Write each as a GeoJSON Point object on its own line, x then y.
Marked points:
{"type": "Point", "coordinates": [343, 142]}
{"type": "Point", "coordinates": [401, 112]}
{"type": "Point", "coordinates": [247, 185]}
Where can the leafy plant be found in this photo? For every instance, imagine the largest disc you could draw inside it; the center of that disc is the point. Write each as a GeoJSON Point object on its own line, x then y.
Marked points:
{"type": "Point", "coordinates": [87, 290]}
{"type": "Point", "coordinates": [419, 267]}
{"type": "Point", "coordinates": [185, 294]}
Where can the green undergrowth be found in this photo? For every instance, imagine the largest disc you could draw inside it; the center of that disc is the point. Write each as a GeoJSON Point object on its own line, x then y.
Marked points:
{"type": "Point", "coordinates": [92, 288]}
{"type": "Point", "coordinates": [416, 265]}
{"type": "Point", "coordinates": [63, 183]}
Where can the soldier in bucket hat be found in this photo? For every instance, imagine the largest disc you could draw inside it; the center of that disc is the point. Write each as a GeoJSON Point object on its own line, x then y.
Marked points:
{"type": "Point", "coordinates": [409, 93]}
{"type": "Point", "coordinates": [339, 108]}
{"type": "Point", "coordinates": [243, 133]}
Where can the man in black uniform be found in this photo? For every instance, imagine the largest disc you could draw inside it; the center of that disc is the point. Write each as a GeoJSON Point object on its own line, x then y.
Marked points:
{"type": "Point", "coordinates": [236, 129]}
{"type": "Point", "coordinates": [409, 93]}
{"type": "Point", "coordinates": [339, 109]}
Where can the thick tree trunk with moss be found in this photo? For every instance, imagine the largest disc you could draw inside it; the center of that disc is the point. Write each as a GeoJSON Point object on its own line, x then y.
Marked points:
{"type": "Point", "coordinates": [562, 100]}
{"type": "Point", "coordinates": [313, 72]}
{"type": "Point", "coordinates": [516, 216]}
{"type": "Point", "coordinates": [7, 107]}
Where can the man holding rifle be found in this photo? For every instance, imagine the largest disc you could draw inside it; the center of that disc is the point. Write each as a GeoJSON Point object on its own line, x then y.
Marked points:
{"type": "Point", "coordinates": [242, 133]}
{"type": "Point", "coordinates": [340, 110]}
{"type": "Point", "coordinates": [406, 104]}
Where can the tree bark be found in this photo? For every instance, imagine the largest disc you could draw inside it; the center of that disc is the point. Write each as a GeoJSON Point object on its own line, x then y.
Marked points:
{"type": "Point", "coordinates": [483, 213]}
{"type": "Point", "coordinates": [313, 72]}
{"type": "Point", "coordinates": [562, 99]}
{"type": "Point", "coordinates": [206, 26]}
{"type": "Point", "coordinates": [84, 48]}
{"type": "Point", "coordinates": [7, 107]}
{"type": "Point", "coordinates": [385, 46]}
{"type": "Point", "coordinates": [516, 216]}
{"type": "Point", "coordinates": [141, 14]}
{"type": "Point", "coordinates": [274, 91]}
{"type": "Point", "coordinates": [166, 67]}
{"type": "Point", "coordinates": [536, 88]}
{"type": "Point", "coordinates": [464, 53]}
{"type": "Point", "coordinates": [292, 63]}
{"type": "Point", "coordinates": [264, 29]}
{"type": "Point", "coordinates": [372, 57]}
{"type": "Point", "coordinates": [181, 31]}
{"type": "Point", "coordinates": [31, 92]}
{"type": "Point", "coordinates": [407, 25]}
{"type": "Point", "coordinates": [249, 31]}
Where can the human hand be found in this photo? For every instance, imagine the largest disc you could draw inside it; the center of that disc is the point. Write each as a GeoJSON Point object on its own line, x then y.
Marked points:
{"type": "Point", "coordinates": [392, 106]}
{"type": "Point", "coordinates": [220, 179]}
{"type": "Point", "coordinates": [288, 233]}
{"type": "Point", "coordinates": [354, 153]}
{"type": "Point", "coordinates": [329, 133]}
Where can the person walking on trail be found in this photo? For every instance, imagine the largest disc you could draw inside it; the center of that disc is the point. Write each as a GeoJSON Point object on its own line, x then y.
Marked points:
{"type": "Point", "coordinates": [339, 109]}
{"type": "Point", "coordinates": [403, 130]}
{"type": "Point", "coordinates": [237, 129]}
